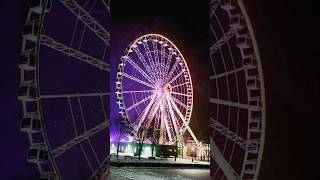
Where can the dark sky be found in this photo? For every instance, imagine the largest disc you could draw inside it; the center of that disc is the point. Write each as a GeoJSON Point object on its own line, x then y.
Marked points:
{"type": "Point", "coordinates": [288, 40]}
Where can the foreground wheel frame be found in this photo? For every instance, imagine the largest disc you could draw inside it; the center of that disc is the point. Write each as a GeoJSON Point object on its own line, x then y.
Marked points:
{"type": "Point", "coordinates": [44, 150]}
{"type": "Point", "coordinates": [237, 102]}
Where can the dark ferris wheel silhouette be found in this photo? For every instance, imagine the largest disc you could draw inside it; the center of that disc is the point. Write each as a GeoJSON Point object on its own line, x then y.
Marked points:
{"type": "Point", "coordinates": [64, 89]}
{"type": "Point", "coordinates": [237, 102]}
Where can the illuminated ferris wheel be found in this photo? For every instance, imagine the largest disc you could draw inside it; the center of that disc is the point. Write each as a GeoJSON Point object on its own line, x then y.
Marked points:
{"type": "Point", "coordinates": [237, 102]}
{"type": "Point", "coordinates": [154, 89]}
{"type": "Point", "coordinates": [64, 90]}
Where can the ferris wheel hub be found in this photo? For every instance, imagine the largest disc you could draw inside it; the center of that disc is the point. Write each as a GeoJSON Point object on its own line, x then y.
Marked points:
{"type": "Point", "coordinates": [167, 89]}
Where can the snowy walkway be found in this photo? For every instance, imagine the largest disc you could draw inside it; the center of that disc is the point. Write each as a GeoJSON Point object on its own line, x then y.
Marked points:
{"type": "Point", "coordinates": [134, 173]}
{"type": "Point", "coordinates": [134, 161]}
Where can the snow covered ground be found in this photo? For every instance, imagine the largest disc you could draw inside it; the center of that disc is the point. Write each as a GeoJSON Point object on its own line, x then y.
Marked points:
{"type": "Point", "coordinates": [122, 159]}
{"type": "Point", "coordinates": [157, 173]}
{"type": "Point", "coordinates": [145, 173]}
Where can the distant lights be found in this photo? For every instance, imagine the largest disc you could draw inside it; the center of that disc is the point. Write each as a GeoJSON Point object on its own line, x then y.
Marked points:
{"type": "Point", "coordinates": [124, 57]}
{"type": "Point", "coordinates": [131, 139]}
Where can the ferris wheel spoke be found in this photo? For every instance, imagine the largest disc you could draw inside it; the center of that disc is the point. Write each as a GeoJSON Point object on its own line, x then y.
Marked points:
{"type": "Point", "coordinates": [156, 55]}
{"type": "Point", "coordinates": [165, 120]}
{"type": "Point", "coordinates": [231, 135]}
{"type": "Point", "coordinates": [62, 149]}
{"type": "Point", "coordinates": [168, 62]}
{"type": "Point", "coordinates": [235, 104]}
{"type": "Point", "coordinates": [85, 127]}
{"type": "Point", "coordinates": [173, 79]}
{"type": "Point", "coordinates": [154, 108]}
{"type": "Point", "coordinates": [51, 43]}
{"type": "Point", "coordinates": [214, 4]}
{"type": "Point", "coordinates": [145, 64]}
{"type": "Point", "coordinates": [106, 3]}
{"type": "Point", "coordinates": [228, 72]}
{"type": "Point", "coordinates": [76, 134]}
{"type": "Point", "coordinates": [179, 102]}
{"type": "Point", "coordinates": [104, 108]}
{"type": "Point", "coordinates": [138, 91]}
{"type": "Point", "coordinates": [173, 118]}
{"type": "Point", "coordinates": [183, 120]}
{"type": "Point", "coordinates": [143, 115]}
{"type": "Point", "coordinates": [144, 74]}
{"type": "Point", "coordinates": [161, 128]}
{"type": "Point", "coordinates": [180, 94]}
{"type": "Point", "coordinates": [217, 156]}
{"type": "Point", "coordinates": [138, 80]}
{"type": "Point", "coordinates": [103, 172]}
{"type": "Point", "coordinates": [186, 83]}
{"type": "Point", "coordinates": [172, 70]}
{"type": "Point", "coordinates": [55, 96]}
{"type": "Point", "coordinates": [87, 19]}
{"type": "Point", "coordinates": [152, 63]}
{"type": "Point", "coordinates": [163, 58]}
{"type": "Point", "coordinates": [223, 40]}
{"type": "Point", "coordinates": [140, 102]}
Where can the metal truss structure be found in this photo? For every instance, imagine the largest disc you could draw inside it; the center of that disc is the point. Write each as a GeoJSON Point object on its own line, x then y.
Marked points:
{"type": "Point", "coordinates": [33, 123]}
{"type": "Point", "coordinates": [237, 94]}
{"type": "Point", "coordinates": [154, 89]}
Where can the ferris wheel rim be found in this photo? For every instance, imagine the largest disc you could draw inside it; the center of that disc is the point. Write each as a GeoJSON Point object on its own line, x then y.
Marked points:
{"type": "Point", "coordinates": [129, 49]}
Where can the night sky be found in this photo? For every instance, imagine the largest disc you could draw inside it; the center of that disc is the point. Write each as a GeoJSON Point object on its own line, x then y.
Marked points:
{"type": "Point", "coordinates": [287, 36]}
